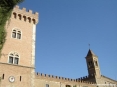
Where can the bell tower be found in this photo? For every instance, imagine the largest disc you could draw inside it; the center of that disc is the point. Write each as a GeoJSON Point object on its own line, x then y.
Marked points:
{"type": "Point", "coordinates": [92, 64]}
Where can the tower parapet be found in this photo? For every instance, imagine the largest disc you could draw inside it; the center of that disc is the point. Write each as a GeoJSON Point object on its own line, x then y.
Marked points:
{"type": "Point", "coordinates": [24, 15]}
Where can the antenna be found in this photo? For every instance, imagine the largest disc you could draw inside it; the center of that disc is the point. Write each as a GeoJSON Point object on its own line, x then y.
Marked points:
{"type": "Point", "coordinates": [89, 46]}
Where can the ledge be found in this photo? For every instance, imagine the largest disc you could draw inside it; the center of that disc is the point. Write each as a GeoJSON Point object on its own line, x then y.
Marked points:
{"type": "Point", "coordinates": [17, 65]}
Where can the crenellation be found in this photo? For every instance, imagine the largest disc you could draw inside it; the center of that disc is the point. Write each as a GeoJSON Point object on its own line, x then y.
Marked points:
{"type": "Point", "coordinates": [23, 9]}
{"type": "Point", "coordinates": [45, 75]}
{"type": "Point", "coordinates": [36, 13]}
{"type": "Point", "coordinates": [48, 75]}
{"type": "Point", "coordinates": [58, 78]}
{"type": "Point", "coordinates": [74, 80]}
{"type": "Point", "coordinates": [16, 7]}
{"type": "Point", "coordinates": [52, 76]}
{"type": "Point", "coordinates": [30, 11]}
{"type": "Point", "coordinates": [41, 74]}
{"type": "Point", "coordinates": [28, 16]}
{"type": "Point", "coordinates": [62, 78]}
{"type": "Point", "coordinates": [77, 80]}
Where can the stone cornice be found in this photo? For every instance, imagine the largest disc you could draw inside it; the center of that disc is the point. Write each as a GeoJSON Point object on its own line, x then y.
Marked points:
{"type": "Point", "coordinates": [17, 65]}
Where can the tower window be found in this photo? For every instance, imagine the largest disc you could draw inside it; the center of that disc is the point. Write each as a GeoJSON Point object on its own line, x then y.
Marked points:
{"type": "Point", "coordinates": [16, 34]}
{"type": "Point", "coordinates": [19, 16]}
{"type": "Point", "coordinates": [29, 20]}
{"type": "Point", "coordinates": [13, 58]}
{"type": "Point", "coordinates": [96, 63]}
{"type": "Point", "coordinates": [89, 63]}
{"type": "Point", "coordinates": [24, 17]}
{"type": "Point", "coordinates": [16, 60]}
{"type": "Point", "coordinates": [34, 21]}
{"type": "Point", "coordinates": [10, 59]}
{"type": "Point", "coordinates": [14, 14]}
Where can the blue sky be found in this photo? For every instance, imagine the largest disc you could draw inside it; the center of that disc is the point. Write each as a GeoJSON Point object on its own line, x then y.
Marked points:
{"type": "Point", "coordinates": [65, 29]}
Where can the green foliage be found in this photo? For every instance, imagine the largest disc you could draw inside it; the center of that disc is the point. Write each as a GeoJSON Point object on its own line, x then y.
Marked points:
{"type": "Point", "coordinates": [0, 79]}
{"type": "Point", "coordinates": [6, 7]}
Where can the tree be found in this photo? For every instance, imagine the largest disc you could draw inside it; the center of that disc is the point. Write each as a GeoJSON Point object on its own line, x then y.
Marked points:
{"type": "Point", "coordinates": [6, 7]}
{"type": "Point", "coordinates": [0, 81]}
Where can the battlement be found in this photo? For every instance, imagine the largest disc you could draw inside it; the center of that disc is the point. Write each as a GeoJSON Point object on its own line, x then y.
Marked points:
{"type": "Point", "coordinates": [61, 79]}
{"type": "Point", "coordinates": [87, 77]}
{"type": "Point", "coordinates": [24, 15]}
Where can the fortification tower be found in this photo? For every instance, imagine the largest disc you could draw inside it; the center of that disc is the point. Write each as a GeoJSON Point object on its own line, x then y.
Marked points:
{"type": "Point", "coordinates": [17, 62]}
{"type": "Point", "coordinates": [92, 64]}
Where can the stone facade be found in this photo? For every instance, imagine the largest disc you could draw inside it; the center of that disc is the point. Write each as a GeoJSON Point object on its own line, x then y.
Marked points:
{"type": "Point", "coordinates": [18, 54]}
{"type": "Point", "coordinates": [17, 62]}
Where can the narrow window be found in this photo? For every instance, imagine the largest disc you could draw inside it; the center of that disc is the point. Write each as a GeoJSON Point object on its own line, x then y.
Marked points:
{"type": "Point", "coordinates": [14, 14]}
{"type": "Point", "coordinates": [34, 21]}
{"type": "Point", "coordinates": [24, 18]}
{"type": "Point", "coordinates": [29, 20]}
{"type": "Point", "coordinates": [18, 35]}
{"type": "Point", "coordinates": [14, 34]}
{"type": "Point", "coordinates": [19, 16]}
{"type": "Point", "coordinates": [89, 63]}
{"type": "Point", "coordinates": [20, 78]}
{"type": "Point", "coordinates": [96, 63]}
{"type": "Point", "coordinates": [16, 60]}
{"type": "Point", "coordinates": [10, 59]}
{"type": "Point", "coordinates": [3, 76]}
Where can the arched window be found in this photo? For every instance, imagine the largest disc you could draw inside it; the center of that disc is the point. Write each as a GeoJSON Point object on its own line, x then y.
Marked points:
{"type": "Point", "coordinates": [29, 19]}
{"type": "Point", "coordinates": [19, 16]}
{"type": "Point", "coordinates": [33, 21]}
{"type": "Point", "coordinates": [24, 17]}
{"type": "Point", "coordinates": [16, 34]}
{"type": "Point", "coordinates": [95, 63]}
{"type": "Point", "coordinates": [13, 58]}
